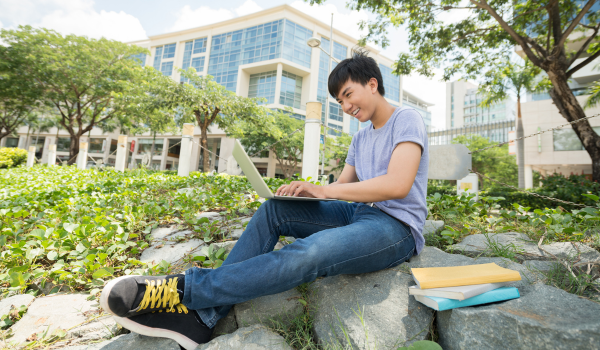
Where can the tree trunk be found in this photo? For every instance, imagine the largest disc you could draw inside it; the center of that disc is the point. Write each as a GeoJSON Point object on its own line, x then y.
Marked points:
{"type": "Point", "coordinates": [520, 145]}
{"type": "Point", "coordinates": [152, 147]}
{"type": "Point", "coordinates": [204, 142]}
{"type": "Point", "coordinates": [73, 148]}
{"type": "Point", "coordinates": [27, 138]}
{"type": "Point", "coordinates": [570, 109]}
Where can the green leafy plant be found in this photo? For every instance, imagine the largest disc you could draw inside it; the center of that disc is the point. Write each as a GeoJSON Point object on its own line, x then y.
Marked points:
{"type": "Point", "coordinates": [12, 157]}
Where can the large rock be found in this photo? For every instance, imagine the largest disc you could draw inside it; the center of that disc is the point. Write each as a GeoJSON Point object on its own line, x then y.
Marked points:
{"type": "Point", "coordinates": [433, 227]}
{"type": "Point", "coordinates": [16, 301]}
{"type": "Point", "coordinates": [478, 244]}
{"type": "Point", "coordinates": [543, 317]}
{"type": "Point", "coordinates": [541, 265]}
{"type": "Point", "coordinates": [131, 341]}
{"type": "Point", "coordinates": [170, 251]}
{"type": "Point", "coordinates": [389, 315]}
{"type": "Point", "coordinates": [226, 325]}
{"type": "Point", "coordinates": [281, 307]}
{"type": "Point", "coordinates": [210, 215]}
{"type": "Point", "coordinates": [163, 232]}
{"type": "Point", "coordinates": [256, 337]}
{"type": "Point", "coordinates": [71, 312]}
{"type": "Point", "coordinates": [433, 257]}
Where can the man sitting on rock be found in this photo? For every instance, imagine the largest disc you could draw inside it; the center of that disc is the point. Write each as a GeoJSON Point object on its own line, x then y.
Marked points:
{"type": "Point", "coordinates": [375, 224]}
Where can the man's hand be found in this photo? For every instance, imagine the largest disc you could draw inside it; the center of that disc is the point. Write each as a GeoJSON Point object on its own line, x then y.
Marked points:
{"type": "Point", "coordinates": [301, 189]}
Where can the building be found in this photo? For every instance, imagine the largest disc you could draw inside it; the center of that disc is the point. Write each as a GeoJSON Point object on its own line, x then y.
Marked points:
{"type": "Point", "coordinates": [422, 106]}
{"type": "Point", "coordinates": [263, 54]}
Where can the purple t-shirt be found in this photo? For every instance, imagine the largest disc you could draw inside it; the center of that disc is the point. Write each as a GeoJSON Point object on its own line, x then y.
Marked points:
{"type": "Point", "coordinates": [370, 153]}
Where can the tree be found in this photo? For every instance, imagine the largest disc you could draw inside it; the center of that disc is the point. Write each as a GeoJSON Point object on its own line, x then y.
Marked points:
{"type": "Point", "coordinates": [516, 78]}
{"type": "Point", "coordinates": [83, 79]}
{"type": "Point", "coordinates": [208, 103]}
{"type": "Point", "coordinates": [495, 162]}
{"type": "Point", "coordinates": [274, 131]}
{"type": "Point", "coordinates": [337, 150]}
{"type": "Point", "coordinates": [18, 97]}
{"type": "Point", "coordinates": [560, 37]}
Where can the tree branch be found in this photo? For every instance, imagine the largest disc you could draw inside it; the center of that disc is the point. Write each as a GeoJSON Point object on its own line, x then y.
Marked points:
{"type": "Point", "coordinates": [519, 39]}
{"type": "Point", "coordinates": [575, 22]}
{"type": "Point", "coordinates": [583, 64]}
{"type": "Point", "coordinates": [584, 46]}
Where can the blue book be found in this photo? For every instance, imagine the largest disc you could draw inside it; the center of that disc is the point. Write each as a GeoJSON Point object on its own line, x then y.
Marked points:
{"type": "Point", "coordinates": [441, 304]}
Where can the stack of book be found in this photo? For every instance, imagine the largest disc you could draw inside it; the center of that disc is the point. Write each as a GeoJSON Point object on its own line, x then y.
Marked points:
{"type": "Point", "coordinates": [445, 288]}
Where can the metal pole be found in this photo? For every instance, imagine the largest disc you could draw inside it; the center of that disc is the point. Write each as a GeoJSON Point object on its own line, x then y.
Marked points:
{"type": "Point", "coordinates": [327, 96]}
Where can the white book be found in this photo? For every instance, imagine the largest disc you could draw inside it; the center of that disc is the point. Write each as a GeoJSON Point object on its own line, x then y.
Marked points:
{"type": "Point", "coordinates": [457, 293]}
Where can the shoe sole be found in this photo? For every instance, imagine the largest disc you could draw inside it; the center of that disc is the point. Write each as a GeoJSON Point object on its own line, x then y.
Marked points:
{"type": "Point", "coordinates": [135, 327]}
{"type": "Point", "coordinates": [106, 292]}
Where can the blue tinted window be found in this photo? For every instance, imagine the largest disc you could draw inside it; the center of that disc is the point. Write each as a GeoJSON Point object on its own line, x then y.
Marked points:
{"type": "Point", "coordinates": [391, 83]}
{"type": "Point", "coordinates": [291, 90]}
{"type": "Point", "coordinates": [157, 58]}
{"type": "Point", "coordinates": [140, 58]}
{"type": "Point", "coordinates": [293, 115]}
{"type": "Point", "coordinates": [198, 64]}
{"type": "Point", "coordinates": [339, 52]}
{"type": "Point", "coordinates": [200, 45]}
{"type": "Point", "coordinates": [294, 45]}
{"type": "Point", "coordinates": [254, 44]}
{"type": "Point", "coordinates": [332, 132]}
{"type": "Point", "coordinates": [167, 68]}
{"type": "Point", "coordinates": [335, 112]}
{"type": "Point", "coordinates": [263, 85]}
{"type": "Point", "coordinates": [169, 51]}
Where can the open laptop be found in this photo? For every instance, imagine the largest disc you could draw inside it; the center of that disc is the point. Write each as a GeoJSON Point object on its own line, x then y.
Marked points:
{"type": "Point", "coordinates": [257, 181]}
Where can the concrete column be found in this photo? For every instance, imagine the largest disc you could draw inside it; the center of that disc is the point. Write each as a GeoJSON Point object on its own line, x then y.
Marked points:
{"type": "Point", "coordinates": [31, 156]}
{"type": "Point", "coordinates": [83, 155]}
{"type": "Point", "coordinates": [51, 155]}
{"type": "Point", "coordinates": [186, 150]}
{"type": "Point", "coordinates": [271, 165]}
{"type": "Point", "coordinates": [195, 157]}
{"type": "Point", "coordinates": [165, 151]}
{"type": "Point", "coordinates": [528, 176]}
{"type": "Point", "coordinates": [312, 130]}
{"type": "Point", "coordinates": [121, 153]}
{"type": "Point", "coordinates": [226, 151]}
{"type": "Point", "coordinates": [107, 142]}
{"type": "Point", "coordinates": [278, 82]}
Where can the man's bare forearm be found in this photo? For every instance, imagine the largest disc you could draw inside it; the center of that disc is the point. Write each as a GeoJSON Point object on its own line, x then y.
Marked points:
{"type": "Point", "coordinates": [376, 189]}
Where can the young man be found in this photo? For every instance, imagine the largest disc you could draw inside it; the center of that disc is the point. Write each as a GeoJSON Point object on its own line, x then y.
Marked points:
{"type": "Point", "coordinates": [385, 180]}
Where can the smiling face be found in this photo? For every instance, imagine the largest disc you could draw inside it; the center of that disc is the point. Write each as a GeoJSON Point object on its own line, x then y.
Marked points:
{"type": "Point", "coordinates": [359, 100]}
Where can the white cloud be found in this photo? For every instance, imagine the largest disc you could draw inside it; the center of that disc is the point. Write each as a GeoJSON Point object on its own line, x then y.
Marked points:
{"type": "Point", "coordinates": [247, 8]}
{"type": "Point", "coordinates": [73, 17]}
{"type": "Point", "coordinates": [189, 18]}
{"type": "Point", "coordinates": [345, 22]}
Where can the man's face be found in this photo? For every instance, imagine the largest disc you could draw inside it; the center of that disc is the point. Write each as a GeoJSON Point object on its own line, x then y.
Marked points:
{"type": "Point", "coordinates": [358, 100]}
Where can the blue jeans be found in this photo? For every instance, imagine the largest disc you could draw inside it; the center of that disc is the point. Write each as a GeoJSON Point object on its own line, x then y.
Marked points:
{"type": "Point", "coordinates": [333, 237]}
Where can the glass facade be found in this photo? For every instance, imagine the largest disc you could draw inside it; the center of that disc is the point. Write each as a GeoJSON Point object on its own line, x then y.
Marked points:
{"type": "Point", "coordinates": [192, 47]}
{"type": "Point", "coordinates": [199, 45]}
{"type": "Point", "coordinates": [167, 68]}
{"type": "Point", "coordinates": [255, 44]}
{"type": "Point", "coordinates": [353, 126]}
{"type": "Point", "coordinates": [144, 146]}
{"type": "Point", "coordinates": [339, 52]}
{"type": "Point", "coordinates": [567, 139]}
{"type": "Point", "coordinates": [291, 90]}
{"type": "Point", "coordinates": [140, 58]}
{"type": "Point", "coordinates": [157, 57]}
{"type": "Point", "coordinates": [336, 113]}
{"type": "Point", "coordinates": [169, 51]}
{"type": "Point", "coordinates": [63, 144]}
{"type": "Point", "coordinates": [96, 145]}
{"type": "Point", "coordinates": [391, 83]}
{"type": "Point", "coordinates": [166, 52]}
{"type": "Point", "coordinates": [263, 85]}
{"type": "Point", "coordinates": [337, 127]}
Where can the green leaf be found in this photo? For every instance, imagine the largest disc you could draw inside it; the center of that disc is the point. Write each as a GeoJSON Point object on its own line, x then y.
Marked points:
{"type": "Point", "coordinates": [52, 255]}
{"type": "Point", "coordinates": [101, 273]}
{"type": "Point", "coordinates": [16, 279]}
{"type": "Point", "coordinates": [591, 196]}
{"type": "Point", "coordinates": [70, 227]}
{"type": "Point", "coordinates": [422, 345]}
{"type": "Point", "coordinates": [40, 234]}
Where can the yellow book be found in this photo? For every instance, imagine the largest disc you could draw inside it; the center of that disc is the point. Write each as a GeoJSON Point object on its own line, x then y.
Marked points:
{"type": "Point", "coordinates": [453, 276]}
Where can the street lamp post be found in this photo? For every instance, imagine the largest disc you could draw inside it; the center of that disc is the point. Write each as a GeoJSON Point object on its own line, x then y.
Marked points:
{"type": "Point", "coordinates": [314, 43]}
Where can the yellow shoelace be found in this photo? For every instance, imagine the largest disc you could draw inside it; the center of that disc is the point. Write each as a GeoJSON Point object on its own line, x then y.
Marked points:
{"type": "Point", "coordinates": [160, 292]}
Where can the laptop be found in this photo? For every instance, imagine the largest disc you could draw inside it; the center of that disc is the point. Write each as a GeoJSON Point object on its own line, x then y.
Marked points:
{"type": "Point", "coordinates": [257, 182]}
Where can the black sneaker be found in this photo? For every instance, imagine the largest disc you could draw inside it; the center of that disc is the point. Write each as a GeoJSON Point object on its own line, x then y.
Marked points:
{"type": "Point", "coordinates": [186, 328]}
{"type": "Point", "coordinates": [129, 296]}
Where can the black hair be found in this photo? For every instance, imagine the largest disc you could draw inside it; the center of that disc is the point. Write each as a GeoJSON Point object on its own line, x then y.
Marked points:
{"type": "Point", "coordinates": [360, 68]}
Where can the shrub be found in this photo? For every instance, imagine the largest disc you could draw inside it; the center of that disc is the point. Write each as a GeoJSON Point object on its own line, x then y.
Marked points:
{"type": "Point", "coordinates": [12, 157]}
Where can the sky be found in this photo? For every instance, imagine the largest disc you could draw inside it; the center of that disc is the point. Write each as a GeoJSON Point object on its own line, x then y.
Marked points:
{"type": "Point", "coordinates": [129, 20]}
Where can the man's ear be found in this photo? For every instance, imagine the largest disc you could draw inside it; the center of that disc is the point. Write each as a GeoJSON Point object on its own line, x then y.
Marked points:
{"type": "Point", "coordinates": [373, 85]}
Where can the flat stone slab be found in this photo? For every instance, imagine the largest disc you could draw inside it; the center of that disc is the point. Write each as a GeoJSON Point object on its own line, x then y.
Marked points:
{"type": "Point", "coordinates": [170, 251]}
{"type": "Point", "coordinates": [478, 244]}
{"type": "Point", "coordinates": [433, 227]}
{"type": "Point", "coordinates": [162, 232]}
{"type": "Point", "coordinates": [541, 265]}
{"type": "Point", "coordinates": [390, 315]}
{"type": "Point", "coordinates": [16, 301]}
{"type": "Point", "coordinates": [64, 311]}
{"type": "Point", "coordinates": [209, 214]}
{"type": "Point", "coordinates": [543, 317]}
{"type": "Point", "coordinates": [256, 337]}
{"type": "Point", "coordinates": [433, 257]}
{"type": "Point", "coordinates": [131, 341]}
{"type": "Point", "coordinates": [281, 307]}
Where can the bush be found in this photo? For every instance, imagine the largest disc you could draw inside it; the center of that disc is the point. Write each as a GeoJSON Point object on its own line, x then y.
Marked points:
{"type": "Point", "coordinates": [557, 186]}
{"type": "Point", "coordinates": [12, 157]}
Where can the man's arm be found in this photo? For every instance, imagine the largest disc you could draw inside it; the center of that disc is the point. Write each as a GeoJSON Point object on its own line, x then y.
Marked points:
{"type": "Point", "coordinates": [396, 184]}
